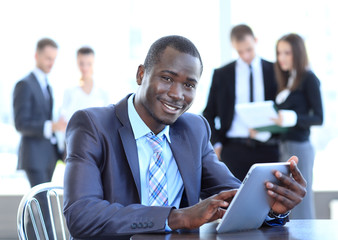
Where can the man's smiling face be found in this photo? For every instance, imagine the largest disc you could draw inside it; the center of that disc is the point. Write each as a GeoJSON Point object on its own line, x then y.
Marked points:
{"type": "Point", "coordinates": [168, 89]}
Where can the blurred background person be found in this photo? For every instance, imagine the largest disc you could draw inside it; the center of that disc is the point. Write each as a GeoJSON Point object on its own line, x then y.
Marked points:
{"type": "Point", "coordinates": [248, 79]}
{"type": "Point", "coordinates": [33, 110]}
{"type": "Point", "coordinates": [33, 114]}
{"type": "Point", "coordinates": [86, 94]}
{"type": "Point", "coordinates": [298, 92]}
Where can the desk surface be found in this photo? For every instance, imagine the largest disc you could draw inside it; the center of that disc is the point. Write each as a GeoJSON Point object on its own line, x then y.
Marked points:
{"type": "Point", "coordinates": [293, 230]}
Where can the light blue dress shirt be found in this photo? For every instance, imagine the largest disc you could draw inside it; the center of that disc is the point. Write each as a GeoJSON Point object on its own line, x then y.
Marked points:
{"type": "Point", "coordinates": [145, 152]}
{"type": "Point", "coordinates": [42, 79]}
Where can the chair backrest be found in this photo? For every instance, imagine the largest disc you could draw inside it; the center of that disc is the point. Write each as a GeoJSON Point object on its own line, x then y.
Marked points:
{"type": "Point", "coordinates": [41, 207]}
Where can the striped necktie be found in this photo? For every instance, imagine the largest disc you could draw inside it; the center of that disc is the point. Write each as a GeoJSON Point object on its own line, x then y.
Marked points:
{"type": "Point", "coordinates": [158, 195]}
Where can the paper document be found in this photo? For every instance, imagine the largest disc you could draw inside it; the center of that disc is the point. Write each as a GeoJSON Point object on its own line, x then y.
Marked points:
{"type": "Point", "coordinates": [257, 114]}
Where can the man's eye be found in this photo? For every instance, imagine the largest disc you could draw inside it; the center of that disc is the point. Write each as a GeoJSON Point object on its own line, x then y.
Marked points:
{"type": "Point", "coordinates": [190, 85]}
{"type": "Point", "coordinates": [168, 79]}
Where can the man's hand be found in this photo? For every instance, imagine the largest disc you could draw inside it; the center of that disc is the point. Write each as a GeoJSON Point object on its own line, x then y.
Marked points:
{"type": "Point", "coordinates": [253, 133]}
{"type": "Point", "coordinates": [218, 151]}
{"type": "Point", "coordinates": [60, 125]}
{"type": "Point", "coordinates": [291, 191]}
{"type": "Point", "coordinates": [278, 121]}
{"type": "Point", "coordinates": [205, 211]}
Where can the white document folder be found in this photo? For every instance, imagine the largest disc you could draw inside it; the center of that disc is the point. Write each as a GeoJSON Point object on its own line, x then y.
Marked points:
{"type": "Point", "coordinates": [257, 114]}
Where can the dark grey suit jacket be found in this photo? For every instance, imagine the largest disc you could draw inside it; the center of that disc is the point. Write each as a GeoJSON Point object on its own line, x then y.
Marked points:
{"type": "Point", "coordinates": [31, 110]}
{"type": "Point", "coordinates": [102, 178]}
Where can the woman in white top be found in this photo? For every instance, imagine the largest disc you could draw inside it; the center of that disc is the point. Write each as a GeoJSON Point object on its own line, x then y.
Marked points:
{"type": "Point", "coordinates": [87, 94]}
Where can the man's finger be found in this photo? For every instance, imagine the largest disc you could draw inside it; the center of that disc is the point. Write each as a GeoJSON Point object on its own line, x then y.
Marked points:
{"type": "Point", "coordinates": [296, 174]}
{"type": "Point", "coordinates": [293, 158]}
{"type": "Point", "coordinates": [224, 195]}
{"type": "Point", "coordinates": [286, 202]}
{"type": "Point", "coordinates": [291, 183]}
{"type": "Point", "coordinates": [295, 195]}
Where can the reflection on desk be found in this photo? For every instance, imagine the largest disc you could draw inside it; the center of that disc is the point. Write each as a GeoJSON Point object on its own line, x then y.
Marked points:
{"type": "Point", "coordinates": [293, 230]}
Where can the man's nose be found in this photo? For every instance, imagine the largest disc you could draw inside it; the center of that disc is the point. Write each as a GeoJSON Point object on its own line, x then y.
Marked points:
{"type": "Point", "coordinates": [176, 91]}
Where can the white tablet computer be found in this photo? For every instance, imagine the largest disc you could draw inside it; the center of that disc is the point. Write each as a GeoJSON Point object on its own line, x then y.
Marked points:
{"type": "Point", "coordinates": [251, 204]}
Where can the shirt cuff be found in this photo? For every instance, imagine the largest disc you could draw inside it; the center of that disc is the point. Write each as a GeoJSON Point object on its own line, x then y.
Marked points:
{"type": "Point", "coordinates": [47, 129]}
{"type": "Point", "coordinates": [167, 228]}
{"type": "Point", "coordinates": [218, 144]}
{"type": "Point", "coordinates": [262, 136]}
{"type": "Point", "coordinates": [289, 118]}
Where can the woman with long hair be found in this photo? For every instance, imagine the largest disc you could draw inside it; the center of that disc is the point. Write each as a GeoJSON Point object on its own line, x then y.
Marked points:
{"type": "Point", "coordinates": [300, 107]}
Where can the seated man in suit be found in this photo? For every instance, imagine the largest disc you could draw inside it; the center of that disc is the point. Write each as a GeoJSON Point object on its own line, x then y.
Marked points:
{"type": "Point", "coordinates": [143, 164]}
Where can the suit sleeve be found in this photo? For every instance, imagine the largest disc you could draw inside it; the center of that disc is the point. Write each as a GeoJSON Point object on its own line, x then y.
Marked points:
{"type": "Point", "coordinates": [313, 98]}
{"type": "Point", "coordinates": [216, 176]}
{"type": "Point", "coordinates": [25, 119]}
{"type": "Point", "coordinates": [210, 111]}
{"type": "Point", "coordinates": [88, 214]}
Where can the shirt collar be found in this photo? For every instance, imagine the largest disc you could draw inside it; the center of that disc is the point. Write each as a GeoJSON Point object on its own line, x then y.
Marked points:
{"type": "Point", "coordinates": [41, 77]}
{"type": "Point", "coordinates": [254, 63]}
{"type": "Point", "coordinates": [138, 126]}
{"type": "Point", "coordinates": [292, 78]}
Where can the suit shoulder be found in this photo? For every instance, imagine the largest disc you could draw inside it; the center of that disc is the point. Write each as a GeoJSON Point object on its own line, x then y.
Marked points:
{"type": "Point", "coordinates": [23, 83]}
{"type": "Point", "coordinates": [26, 79]}
{"type": "Point", "coordinates": [99, 112]}
{"type": "Point", "coordinates": [227, 67]}
{"type": "Point", "coordinates": [264, 61]}
{"type": "Point", "coordinates": [310, 74]}
{"type": "Point", "coordinates": [193, 125]}
{"type": "Point", "coordinates": [267, 65]}
{"type": "Point", "coordinates": [191, 121]}
{"type": "Point", "coordinates": [96, 115]}
{"type": "Point", "coordinates": [310, 78]}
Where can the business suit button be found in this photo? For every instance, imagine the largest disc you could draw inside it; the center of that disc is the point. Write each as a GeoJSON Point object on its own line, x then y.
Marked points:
{"type": "Point", "coordinates": [151, 224]}
{"type": "Point", "coordinates": [133, 226]}
{"type": "Point", "coordinates": [140, 225]}
{"type": "Point", "coordinates": [145, 225]}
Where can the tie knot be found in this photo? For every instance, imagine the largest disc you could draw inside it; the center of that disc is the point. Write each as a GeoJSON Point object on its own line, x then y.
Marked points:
{"type": "Point", "coordinates": [155, 142]}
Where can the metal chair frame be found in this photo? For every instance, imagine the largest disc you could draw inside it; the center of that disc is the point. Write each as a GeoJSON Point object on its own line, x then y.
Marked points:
{"type": "Point", "coordinates": [26, 204]}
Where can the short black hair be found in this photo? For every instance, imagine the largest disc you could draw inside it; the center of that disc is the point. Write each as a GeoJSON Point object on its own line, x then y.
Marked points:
{"type": "Point", "coordinates": [85, 50]}
{"type": "Point", "coordinates": [179, 43]}
{"type": "Point", "coordinates": [44, 42]}
{"type": "Point", "coordinates": [239, 32]}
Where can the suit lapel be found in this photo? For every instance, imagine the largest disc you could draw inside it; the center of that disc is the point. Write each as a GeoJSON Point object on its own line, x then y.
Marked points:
{"type": "Point", "coordinates": [51, 101]}
{"type": "Point", "coordinates": [128, 142]}
{"type": "Point", "coordinates": [268, 90]}
{"type": "Point", "coordinates": [182, 151]}
{"type": "Point", "coordinates": [232, 86]}
{"type": "Point", "coordinates": [39, 94]}
{"type": "Point", "coordinates": [228, 98]}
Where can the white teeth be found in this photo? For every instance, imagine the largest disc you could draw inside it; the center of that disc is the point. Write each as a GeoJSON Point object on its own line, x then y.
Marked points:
{"type": "Point", "coordinates": [171, 108]}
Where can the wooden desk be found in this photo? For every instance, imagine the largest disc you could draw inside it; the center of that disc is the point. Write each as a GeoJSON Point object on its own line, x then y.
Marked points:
{"type": "Point", "coordinates": [293, 230]}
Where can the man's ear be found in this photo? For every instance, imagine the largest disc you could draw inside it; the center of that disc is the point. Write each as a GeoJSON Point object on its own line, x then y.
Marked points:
{"type": "Point", "coordinates": [140, 74]}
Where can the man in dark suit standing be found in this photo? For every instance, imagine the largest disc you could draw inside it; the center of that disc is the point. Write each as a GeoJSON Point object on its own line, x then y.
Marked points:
{"type": "Point", "coordinates": [33, 110]}
{"type": "Point", "coordinates": [248, 79]}
{"type": "Point", "coordinates": [143, 164]}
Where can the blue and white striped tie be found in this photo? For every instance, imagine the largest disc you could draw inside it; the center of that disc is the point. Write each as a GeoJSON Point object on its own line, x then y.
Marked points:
{"type": "Point", "coordinates": [158, 194]}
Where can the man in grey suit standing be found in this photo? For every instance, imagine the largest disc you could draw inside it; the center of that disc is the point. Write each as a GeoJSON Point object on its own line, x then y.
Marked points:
{"type": "Point", "coordinates": [33, 110]}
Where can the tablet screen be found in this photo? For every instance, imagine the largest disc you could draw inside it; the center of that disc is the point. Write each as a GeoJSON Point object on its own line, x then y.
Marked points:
{"type": "Point", "coordinates": [251, 204]}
